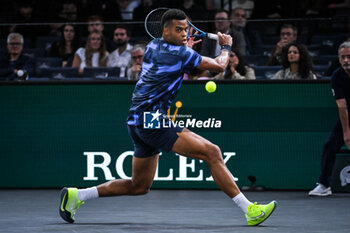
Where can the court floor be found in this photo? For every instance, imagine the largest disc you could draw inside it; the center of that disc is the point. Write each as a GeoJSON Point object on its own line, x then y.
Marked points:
{"type": "Point", "coordinates": [173, 211]}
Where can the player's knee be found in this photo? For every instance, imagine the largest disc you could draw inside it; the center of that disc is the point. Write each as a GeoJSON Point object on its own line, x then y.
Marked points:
{"type": "Point", "coordinates": [214, 153]}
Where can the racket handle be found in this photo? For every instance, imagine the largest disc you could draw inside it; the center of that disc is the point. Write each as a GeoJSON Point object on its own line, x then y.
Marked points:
{"type": "Point", "coordinates": [212, 36]}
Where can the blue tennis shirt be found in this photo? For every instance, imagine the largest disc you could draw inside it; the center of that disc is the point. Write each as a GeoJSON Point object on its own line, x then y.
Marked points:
{"type": "Point", "coordinates": [162, 71]}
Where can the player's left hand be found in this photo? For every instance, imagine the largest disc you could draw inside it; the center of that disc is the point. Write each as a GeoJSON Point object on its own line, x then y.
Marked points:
{"type": "Point", "coordinates": [190, 40]}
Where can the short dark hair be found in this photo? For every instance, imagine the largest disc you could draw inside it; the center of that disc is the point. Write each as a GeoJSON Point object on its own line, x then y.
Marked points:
{"type": "Point", "coordinates": [171, 14]}
{"type": "Point", "coordinates": [294, 28]}
{"type": "Point", "coordinates": [122, 26]}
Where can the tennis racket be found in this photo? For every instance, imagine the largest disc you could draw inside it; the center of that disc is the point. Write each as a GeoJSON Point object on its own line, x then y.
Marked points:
{"type": "Point", "coordinates": [154, 28]}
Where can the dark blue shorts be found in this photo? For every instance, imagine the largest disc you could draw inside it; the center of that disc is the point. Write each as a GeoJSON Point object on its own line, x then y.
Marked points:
{"type": "Point", "coordinates": [149, 142]}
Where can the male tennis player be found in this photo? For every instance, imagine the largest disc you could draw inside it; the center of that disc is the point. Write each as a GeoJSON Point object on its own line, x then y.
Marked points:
{"type": "Point", "coordinates": [164, 63]}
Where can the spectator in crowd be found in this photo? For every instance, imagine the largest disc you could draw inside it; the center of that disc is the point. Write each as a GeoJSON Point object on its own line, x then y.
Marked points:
{"type": "Point", "coordinates": [288, 34]}
{"type": "Point", "coordinates": [140, 14]}
{"type": "Point", "coordinates": [296, 62]}
{"type": "Point", "coordinates": [95, 23]}
{"type": "Point", "coordinates": [93, 55]}
{"type": "Point", "coordinates": [340, 133]}
{"type": "Point", "coordinates": [251, 36]}
{"type": "Point", "coordinates": [68, 44]}
{"type": "Point", "coordinates": [68, 13]}
{"type": "Point", "coordinates": [211, 48]}
{"type": "Point", "coordinates": [137, 54]}
{"type": "Point", "coordinates": [237, 67]}
{"type": "Point", "coordinates": [121, 57]}
{"type": "Point", "coordinates": [193, 10]}
{"type": "Point", "coordinates": [126, 8]}
{"type": "Point", "coordinates": [14, 60]}
{"type": "Point", "coordinates": [247, 5]}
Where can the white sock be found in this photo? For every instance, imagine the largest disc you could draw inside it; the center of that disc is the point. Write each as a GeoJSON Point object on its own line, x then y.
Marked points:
{"type": "Point", "coordinates": [242, 202]}
{"type": "Point", "coordinates": [87, 194]}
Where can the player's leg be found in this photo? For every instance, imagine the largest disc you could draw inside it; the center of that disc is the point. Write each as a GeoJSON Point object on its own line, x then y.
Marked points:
{"type": "Point", "coordinates": [192, 145]}
{"type": "Point", "coordinates": [143, 171]}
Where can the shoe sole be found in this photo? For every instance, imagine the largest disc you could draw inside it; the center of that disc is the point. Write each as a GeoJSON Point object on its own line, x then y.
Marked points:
{"type": "Point", "coordinates": [320, 195]}
{"type": "Point", "coordinates": [275, 202]}
{"type": "Point", "coordinates": [65, 215]}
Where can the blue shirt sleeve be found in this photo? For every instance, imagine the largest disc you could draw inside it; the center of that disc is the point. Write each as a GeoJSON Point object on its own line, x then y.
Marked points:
{"type": "Point", "coordinates": [191, 59]}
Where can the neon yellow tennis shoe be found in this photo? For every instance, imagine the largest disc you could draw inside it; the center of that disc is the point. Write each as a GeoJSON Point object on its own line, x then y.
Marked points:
{"type": "Point", "coordinates": [259, 213]}
{"type": "Point", "coordinates": [69, 204]}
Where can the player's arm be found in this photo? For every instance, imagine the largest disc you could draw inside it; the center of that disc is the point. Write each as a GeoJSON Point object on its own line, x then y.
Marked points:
{"type": "Point", "coordinates": [220, 62]}
{"type": "Point", "coordinates": [344, 119]}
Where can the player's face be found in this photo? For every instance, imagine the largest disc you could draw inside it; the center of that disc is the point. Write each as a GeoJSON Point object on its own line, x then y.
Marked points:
{"type": "Point", "coordinates": [176, 33]}
{"type": "Point", "coordinates": [344, 58]}
{"type": "Point", "coordinates": [293, 54]}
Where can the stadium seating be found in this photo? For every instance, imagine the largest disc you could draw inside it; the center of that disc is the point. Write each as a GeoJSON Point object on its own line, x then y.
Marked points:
{"type": "Point", "coordinates": [59, 72]}
{"type": "Point", "coordinates": [101, 72]}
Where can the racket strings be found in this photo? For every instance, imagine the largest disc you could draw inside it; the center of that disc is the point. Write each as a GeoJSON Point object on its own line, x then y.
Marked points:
{"type": "Point", "coordinates": [153, 24]}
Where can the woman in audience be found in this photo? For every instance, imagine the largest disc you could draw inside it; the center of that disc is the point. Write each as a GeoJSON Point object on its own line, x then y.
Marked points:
{"type": "Point", "coordinates": [93, 55]}
{"type": "Point", "coordinates": [296, 62]}
{"type": "Point", "coordinates": [66, 47]}
{"type": "Point", "coordinates": [237, 68]}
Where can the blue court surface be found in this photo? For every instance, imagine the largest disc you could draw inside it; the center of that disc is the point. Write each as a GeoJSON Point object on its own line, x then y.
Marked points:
{"type": "Point", "coordinates": [173, 211]}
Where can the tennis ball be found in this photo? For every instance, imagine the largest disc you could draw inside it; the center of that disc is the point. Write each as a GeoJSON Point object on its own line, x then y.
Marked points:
{"type": "Point", "coordinates": [210, 86]}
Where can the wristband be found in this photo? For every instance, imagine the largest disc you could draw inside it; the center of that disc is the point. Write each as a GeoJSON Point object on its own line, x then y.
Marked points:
{"type": "Point", "coordinates": [226, 46]}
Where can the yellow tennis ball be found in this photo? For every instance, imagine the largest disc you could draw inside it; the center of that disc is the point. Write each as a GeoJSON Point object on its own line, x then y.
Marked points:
{"type": "Point", "coordinates": [210, 86]}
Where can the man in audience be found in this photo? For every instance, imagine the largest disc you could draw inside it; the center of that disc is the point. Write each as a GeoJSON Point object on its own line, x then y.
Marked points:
{"type": "Point", "coordinates": [137, 54]}
{"type": "Point", "coordinates": [211, 48]}
{"type": "Point", "coordinates": [95, 23]}
{"type": "Point", "coordinates": [120, 57]}
{"type": "Point", "coordinates": [14, 64]}
{"type": "Point", "coordinates": [239, 23]}
{"type": "Point", "coordinates": [288, 34]}
{"type": "Point", "coordinates": [340, 133]}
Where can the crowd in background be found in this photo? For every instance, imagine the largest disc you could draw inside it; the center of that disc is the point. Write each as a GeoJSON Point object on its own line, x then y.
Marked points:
{"type": "Point", "coordinates": [110, 33]}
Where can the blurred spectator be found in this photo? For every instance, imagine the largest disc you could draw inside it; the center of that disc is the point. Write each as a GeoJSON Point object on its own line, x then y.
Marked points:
{"type": "Point", "coordinates": [211, 48]}
{"type": "Point", "coordinates": [66, 47]}
{"type": "Point", "coordinates": [14, 60]}
{"type": "Point", "coordinates": [288, 34]}
{"type": "Point", "coordinates": [237, 68]}
{"type": "Point", "coordinates": [140, 14]}
{"type": "Point", "coordinates": [193, 11]}
{"type": "Point", "coordinates": [68, 13]}
{"type": "Point", "coordinates": [126, 8]}
{"type": "Point", "coordinates": [25, 15]}
{"type": "Point", "coordinates": [93, 55]}
{"type": "Point", "coordinates": [296, 62]}
{"type": "Point", "coordinates": [137, 54]}
{"type": "Point", "coordinates": [120, 57]}
{"type": "Point", "coordinates": [247, 5]}
{"type": "Point", "coordinates": [95, 23]}
{"type": "Point", "coordinates": [251, 36]}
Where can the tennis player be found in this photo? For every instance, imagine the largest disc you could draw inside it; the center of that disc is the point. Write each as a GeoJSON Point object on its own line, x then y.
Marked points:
{"type": "Point", "coordinates": [164, 63]}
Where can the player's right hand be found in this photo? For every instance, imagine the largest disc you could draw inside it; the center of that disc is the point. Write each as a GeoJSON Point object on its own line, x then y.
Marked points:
{"type": "Point", "coordinates": [224, 39]}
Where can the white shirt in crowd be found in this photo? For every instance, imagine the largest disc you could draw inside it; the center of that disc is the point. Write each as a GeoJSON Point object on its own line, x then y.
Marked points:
{"type": "Point", "coordinates": [95, 56]}
{"type": "Point", "coordinates": [120, 60]}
